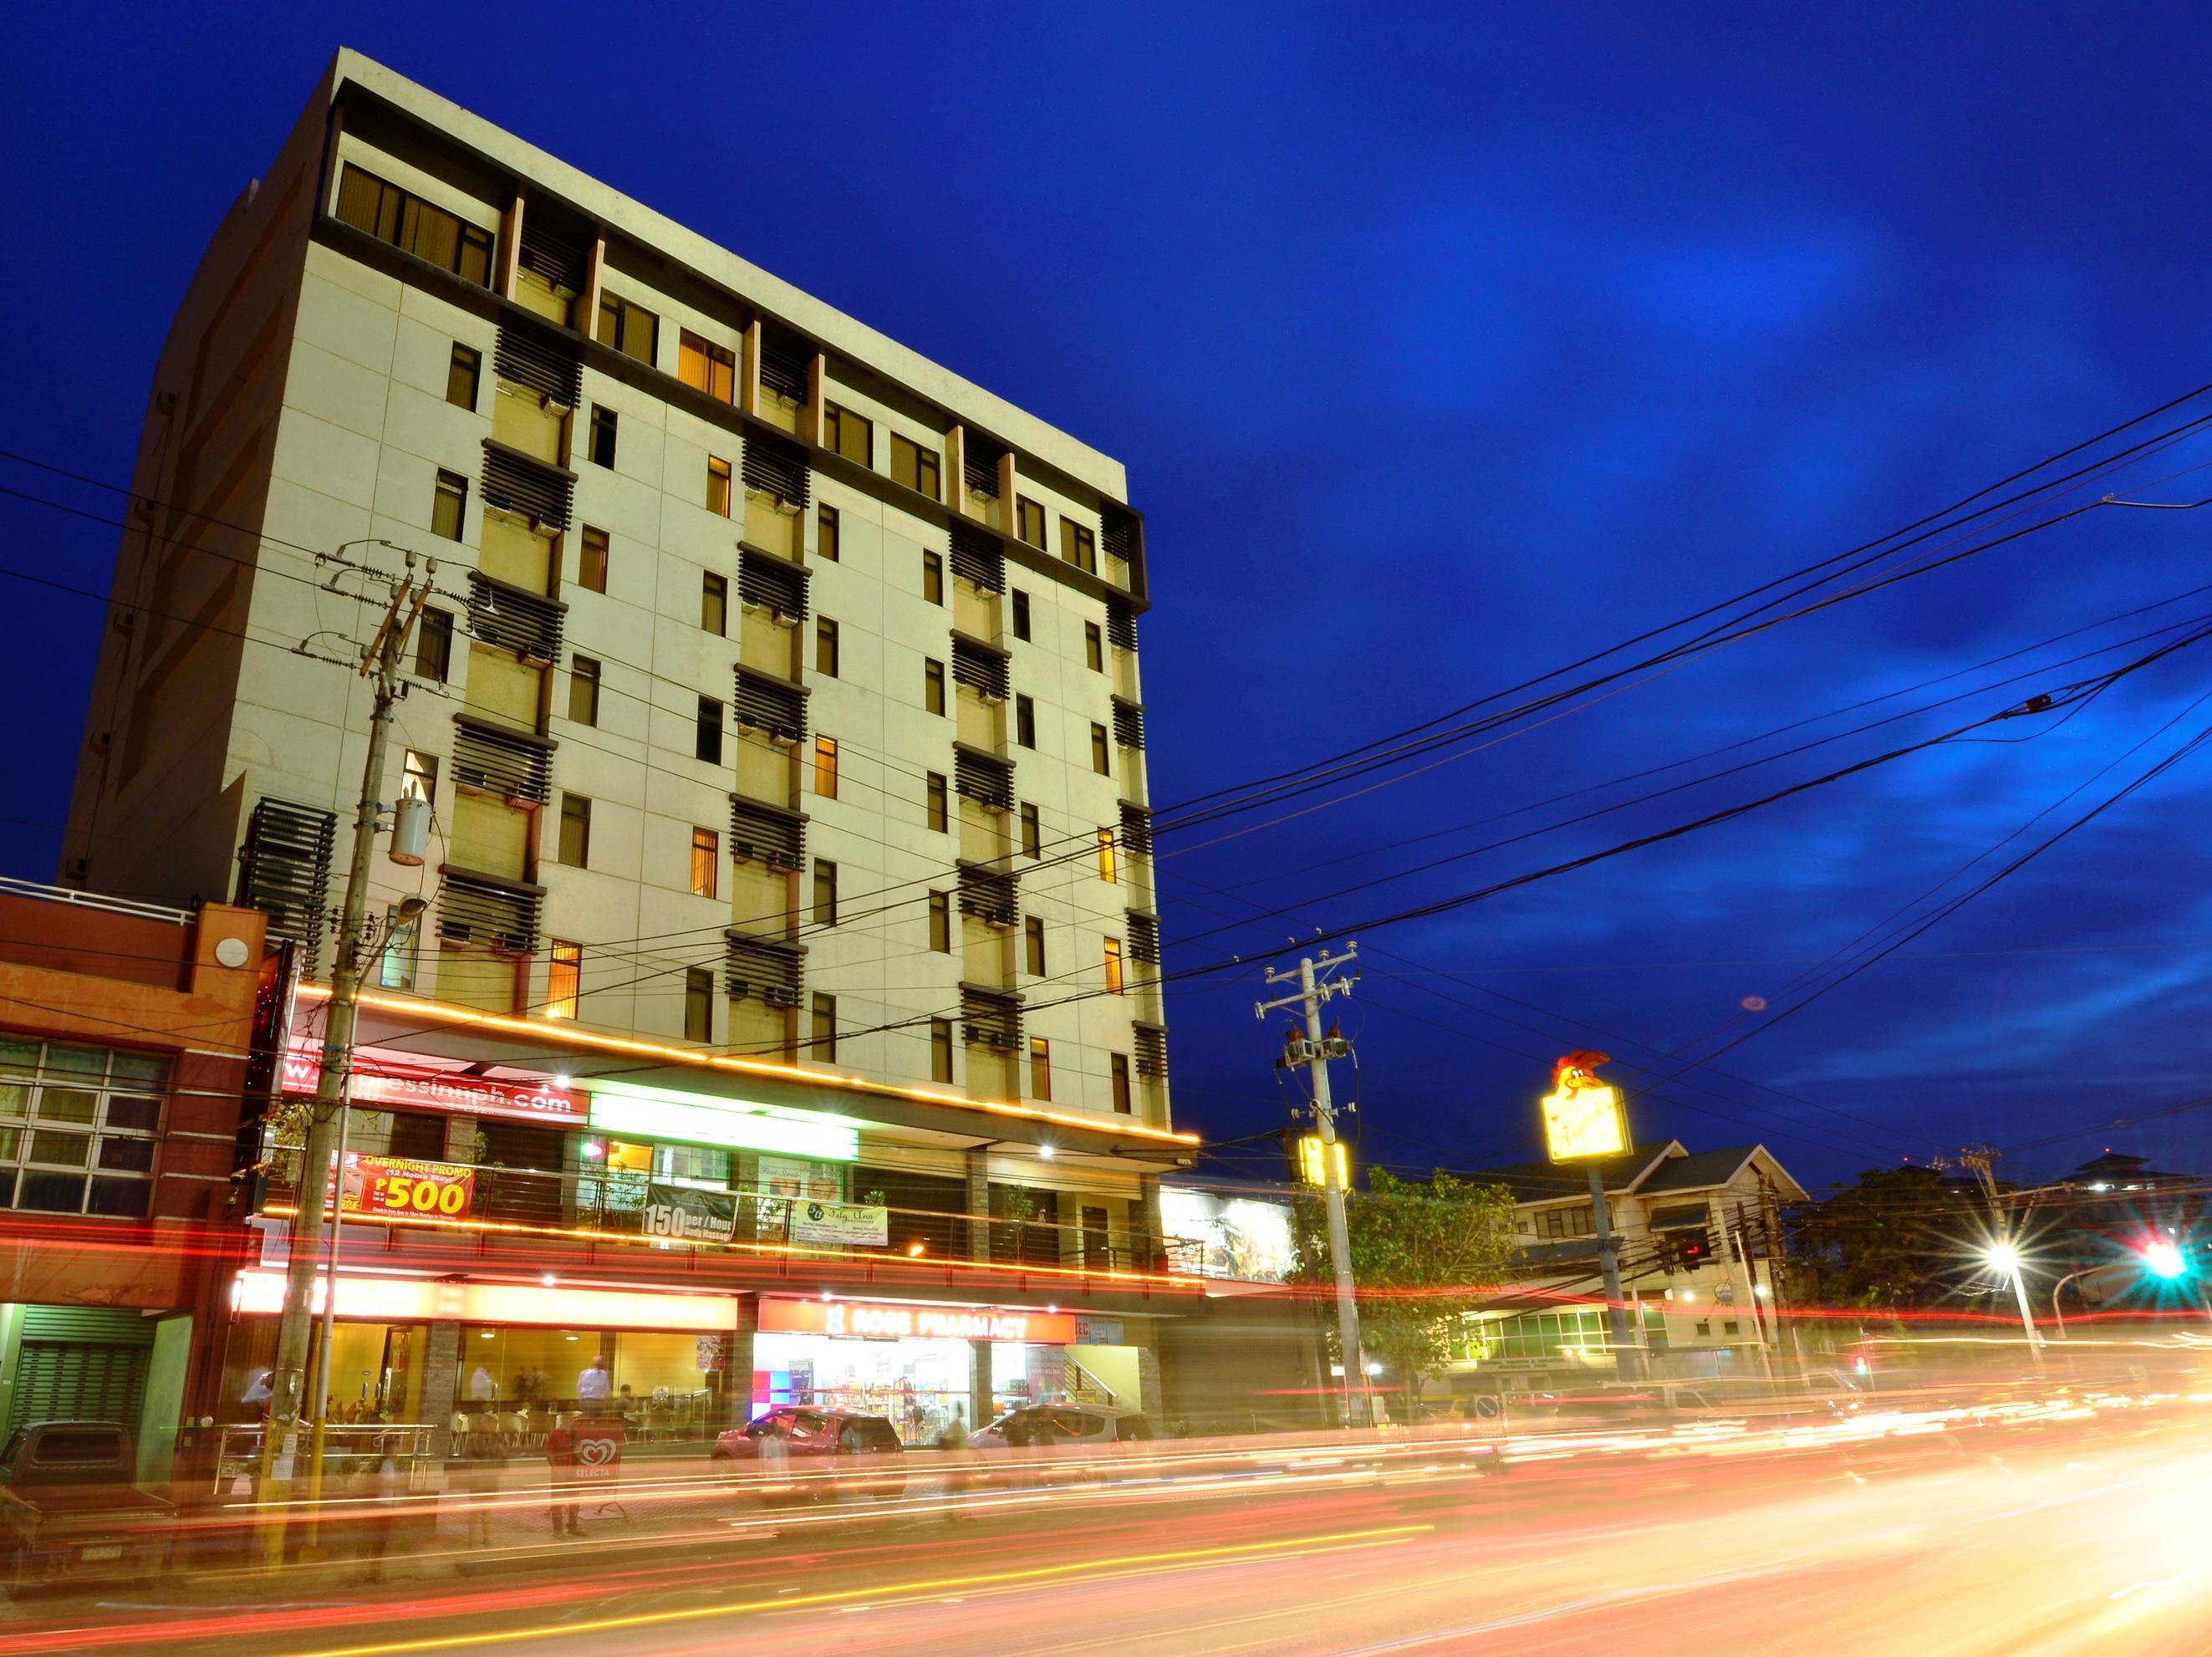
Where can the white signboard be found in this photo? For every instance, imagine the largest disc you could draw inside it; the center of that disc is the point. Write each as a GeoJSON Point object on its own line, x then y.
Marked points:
{"type": "Point", "coordinates": [840, 1223]}
{"type": "Point", "coordinates": [1238, 1236]}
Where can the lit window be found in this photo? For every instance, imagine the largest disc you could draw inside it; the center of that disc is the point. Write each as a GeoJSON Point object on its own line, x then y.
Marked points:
{"type": "Point", "coordinates": [1100, 754]}
{"type": "Point", "coordinates": [1031, 517]}
{"type": "Point", "coordinates": [564, 980]}
{"type": "Point", "coordinates": [1040, 1068]}
{"type": "Point", "coordinates": [1078, 545]}
{"type": "Point", "coordinates": [932, 577]}
{"type": "Point", "coordinates": [1120, 1062]}
{"type": "Point", "coordinates": [592, 560]}
{"type": "Point", "coordinates": [1094, 647]}
{"type": "Point", "coordinates": [825, 767]}
{"type": "Point", "coordinates": [447, 506]}
{"type": "Point", "coordinates": [1106, 854]}
{"type": "Point", "coordinates": [707, 368]}
{"type": "Point", "coordinates": [403, 942]}
{"type": "Point", "coordinates": [718, 485]}
{"type": "Point", "coordinates": [1113, 966]}
{"type": "Point", "coordinates": [418, 776]}
{"type": "Point", "coordinates": [706, 862]}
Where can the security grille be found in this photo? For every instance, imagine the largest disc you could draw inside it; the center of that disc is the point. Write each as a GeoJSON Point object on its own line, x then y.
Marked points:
{"type": "Point", "coordinates": [1144, 936]}
{"type": "Point", "coordinates": [763, 970]}
{"type": "Point", "coordinates": [765, 833]}
{"type": "Point", "coordinates": [776, 468]}
{"type": "Point", "coordinates": [981, 667]}
{"type": "Point", "coordinates": [983, 777]}
{"type": "Point", "coordinates": [81, 1363]}
{"type": "Point", "coordinates": [768, 582]}
{"type": "Point", "coordinates": [517, 483]}
{"type": "Point", "coordinates": [514, 618]}
{"type": "Point", "coordinates": [1121, 626]}
{"type": "Point", "coordinates": [978, 558]}
{"type": "Point", "coordinates": [989, 894]}
{"type": "Point", "coordinates": [1136, 830]}
{"type": "Point", "coordinates": [767, 703]}
{"type": "Point", "coordinates": [1128, 723]}
{"type": "Point", "coordinates": [284, 870]}
{"type": "Point", "coordinates": [512, 764]}
{"type": "Point", "coordinates": [989, 1018]}
{"type": "Point", "coordinates": [489, 913]}
{"type": "Point", "coordinates": [1151, 1049]}
{"type": "Point", "coordinates": [541, 362]}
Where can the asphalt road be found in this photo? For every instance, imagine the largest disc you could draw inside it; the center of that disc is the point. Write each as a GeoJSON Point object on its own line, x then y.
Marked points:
{"type": "Point", "coordinates": [2067, 1535]}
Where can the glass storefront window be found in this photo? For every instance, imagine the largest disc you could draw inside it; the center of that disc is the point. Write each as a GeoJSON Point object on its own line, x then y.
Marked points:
{"type": "Point", "coordinates": [666, 1387]}
{"type": "Point", "coordinates": [376, 1371]}
{"type": "Point", "coordinates": [919, 1387]}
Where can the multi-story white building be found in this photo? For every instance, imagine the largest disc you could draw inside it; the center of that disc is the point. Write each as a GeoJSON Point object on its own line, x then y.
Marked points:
{"type": "Point", "coordinates": [779, 707]}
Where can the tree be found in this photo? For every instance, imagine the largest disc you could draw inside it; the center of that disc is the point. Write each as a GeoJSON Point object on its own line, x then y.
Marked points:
{"type": "Point", "coordinates": [1425, 1253]}
{"type": "Point", "coordinates": [1895, 1241]}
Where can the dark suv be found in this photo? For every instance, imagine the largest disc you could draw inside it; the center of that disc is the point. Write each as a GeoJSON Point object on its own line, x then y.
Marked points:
{"type": "Point", "coordinates": [828, 1454]}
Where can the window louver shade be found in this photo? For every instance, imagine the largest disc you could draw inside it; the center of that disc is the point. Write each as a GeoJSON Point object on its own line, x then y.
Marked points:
{"type": "Point", "coordinates": [990, 1019]}
{"type": "Point", "coordinates": [981, 667]}
{"type": "Point", "coordinates": [785, 366]}
{"type": "Point", "coordinates": [284, 870]}
{"type": "Point", "coordinates": [510, 763]}
{"type": "Point", "coordinates": [492, 914]}
{"type": "Point", "coordinates": [761, 969]}
{"type": "Point", "coordinates": [763, 833]}
{"type": "Point", "coordinates": [978, 558]}
{"type": "Point", "coordinates": [989, 894]}
{"type": "Point", "coordinates": [979, 464]}
{"type": "Point", "coordinates": [513, 482]}
{"type": "Point", "coordinates": [1121, 626]}
{"type": "Point", "coordinates": [1118, 535]}
{"type": "Point", "coordinates": [1152, 1050]}
{"type": "Point", "coordinates": [1143, 937]}
{"type": "Point", "coordinates": [513, 618]}
{"type": "Point", "coordinates": [1128, 723]}
{"type": "Point", "coordinates": [768, 582]}
{"type": "Point", "coordinates": [560, 259]}
{"type": "Point", "coordinates": [550, 367]}
{"type": "Point", "coordinates": [767, 703]}
{"type": "Point", "coordinates": [1136, 831]}
{"type": "Point", "coordinates": [982, 776]}
{"type": "Point", "coordinates": [776, 469]}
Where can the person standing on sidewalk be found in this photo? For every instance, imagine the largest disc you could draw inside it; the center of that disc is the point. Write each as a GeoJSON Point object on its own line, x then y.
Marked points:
{"type": "Point", "coordinates": [478, 1464]}
{"type": "Point", "coordinates": [561, 1459]}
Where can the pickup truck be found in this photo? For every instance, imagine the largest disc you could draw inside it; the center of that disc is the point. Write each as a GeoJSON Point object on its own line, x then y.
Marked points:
{"type": "Point", "coordinates": [71, 1511]}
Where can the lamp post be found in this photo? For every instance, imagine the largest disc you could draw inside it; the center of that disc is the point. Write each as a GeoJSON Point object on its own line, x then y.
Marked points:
{"type": "Point", "coordinates": [2005, 1258]}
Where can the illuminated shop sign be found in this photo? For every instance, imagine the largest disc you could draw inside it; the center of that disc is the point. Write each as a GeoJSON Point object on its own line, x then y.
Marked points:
{"type": "Point", "coordinates": [885, 1320]}
{"type": "Point", "coordinates": [702, 1118]}
{"type": "Point", "coordinates": [383, 1080]}
{"type": "Point", "coordinates": [401, 1186]}
{"type": "Point", "coordinates": [420, 1300]}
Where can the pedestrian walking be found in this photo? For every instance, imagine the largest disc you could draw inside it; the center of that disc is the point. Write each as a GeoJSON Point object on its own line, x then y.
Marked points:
{"type": "Point", "coordinates": [478, 1462]}
{"type": "Point", "coordinates": [379, 1488]}
{"type": "Point", "coordinates": [561, 1459]}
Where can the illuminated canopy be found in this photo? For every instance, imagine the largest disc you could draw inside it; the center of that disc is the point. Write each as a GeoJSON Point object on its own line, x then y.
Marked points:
{"type": "Point", "coordinates": [702, 1119]}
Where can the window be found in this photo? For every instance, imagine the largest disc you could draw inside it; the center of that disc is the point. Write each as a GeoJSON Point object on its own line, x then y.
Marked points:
{"type": "Point", "coordinates": [831, 525]}
{"type": "Point", "coordinates": [825, 767]}
{"type": "Point", "coordinates": [932, 687]}
{"type": "Point", "coordinates": [1113, 966]}
{"type": "Point", "coordinates": [434, 644]}
{"type": "Point", "coordinates": [1094, 647]}
{"type": "Point", "coordinates": [940, 1050]}
{"type": "Point", "coordinates": [1025, 721]}
{"type": "Point", "coordinates": [1040, 1068]}
{"type": "Point", "coordinates": [77, 1127]}
{"type": "Point", "coordinates": [418, 776]}
{"type": "Point", "coordinates": [825, 892]}
{"type": "Point", "coordinates": [463, 375]}
{"type": "Point", "coordinates": [940, 923]}
{"type": "Point", "coordinates": [403, 940]}
{"type": "Point", "coordinates": [848, 434]}
{"type": "Point", "coordinates": [718, 485]}
{"type": "Point", "coordinates": [713, 604]}
{"type": "Point", "coordinates": [932, 577]}
{"type": "Point", "coordinates": [698, 1004]}
{"type": "Point", "coordinates": [630, 329]}
{"type": "Point", "coordinates": [564, 980]}
{"type": "Point", "coordinates": [940, 815]}
{"type": "Point", "coordinates": [1032, 833]}
{"type": "Point", "coordinates": [706, 862]}
{"type": "Point", "coordinates": [1704, 1326]}
{"type": "Point", "coordinates": [1021, 614]}
{"type": "Point", "coordinates": [1101, 755]}
{"type": "Point", "coordinates": [1106, 854]}
{"type": "Point", "coordinates": [414, 226]}
{"type": "Point", "coordinates": [710, 368]}
{"type": "Point", "coordinates": [583, 690]}
{"type": "Point", "coordinates": [825, 647]}
{"type": "Point", "coordinates": [822, 1037]}
{"type": "Point", "coordinates": [1033, 939]}
{"type": "Point", "coordinates": [913, 465]}
{"type": "Point", "coordinates": [448, 504]}
{"type": "Point", "coordinates": [1029, 517]}
{"type": "Point", "coordinates": [575, 831]}
{"type": "Point", "coordinates": [708, 743]}
{"type": "Point", "coordinates": [1078, 545]}
{"type": "Point", "coordinates": [603, 435]}
{"type": "Point", "coordinates": [592, 560]}
{"type": "Point", "coordinates": [1120, 1062]}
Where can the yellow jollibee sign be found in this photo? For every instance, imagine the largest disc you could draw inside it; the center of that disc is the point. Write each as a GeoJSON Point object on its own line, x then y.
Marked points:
{"type": "Point", "coordinates": [1582, 1117]}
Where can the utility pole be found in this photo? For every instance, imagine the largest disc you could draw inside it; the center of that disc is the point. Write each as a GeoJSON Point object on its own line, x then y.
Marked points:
{"type": "Point", "coordinates": [380, 664]}
{"type": "Point", "coordinates": [1627, 1364]}
{"type": "Point", "coordinates": [1314, 1050]}
{"type": "Point", "coordinates": [2005, 1257]}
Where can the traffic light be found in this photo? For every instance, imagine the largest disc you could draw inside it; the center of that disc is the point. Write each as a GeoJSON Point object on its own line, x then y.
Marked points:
{"type": "Point", "coordinates": [1312, 1162]}
{"type": "Point", "coordinates": [1685, 1251]}
{"type": "Point", "coordinates": [2164, 1261]}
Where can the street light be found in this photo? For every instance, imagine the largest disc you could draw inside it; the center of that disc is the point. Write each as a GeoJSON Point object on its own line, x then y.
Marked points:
{"type": "Point", "coordinates": [2004, 1258]}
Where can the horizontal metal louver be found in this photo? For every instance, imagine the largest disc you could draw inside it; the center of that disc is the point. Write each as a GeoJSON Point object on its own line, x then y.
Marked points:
{"type": "Point", "coordinates": [785, 364]}
{"type": "Point", "coordinates": [760, 970]}
{"type": "Point", "coordinates": [983, 776]}
{"type": "Point", "coordinates": [768, 582]}
{"type": "Point", "coordinates": [514, 618]}
{"type": "Point", "coordinates": [488, 913]}
{"type": "Point", "coordinates": [1136, 830]}
{"type": "Point", "coordinates": [515, 481]}
{"type": "Point", "coordinates": [766, 833]}
{"type": "Point", "coordinates": [1128, 723]}
{"type": "Point", "coordinates": [988, 893]}
{"type": "Point", "coordinates": [1117, 536]}
{"type": "Point", "coordinates": [1121, 626]}
{"type": "Point", "coordinates": [560, 259]}
{"type": "Point", "coordinates": [978, 558]}
{"type": "Point", "coordinates": [541, 362]}
{"type": "Point", "coordinates": [776, 468]}
{"type": "Point", "coordinates": [1151, 1049]}
{"type": "Point", "coordinates": [767, 703]}
{"type": "Point", "coordinates": [989, 1018]}
{"type": "Point", "coordinates": [1143, 937]}
{"type": "Point", "coordinates": [284, 871]}
{"type": "Point", "coordinates": [979, 464]}
{"type": "Point", "coordinates": [514, 764]}
{"type": "Point", "coordinates": [981, 667]}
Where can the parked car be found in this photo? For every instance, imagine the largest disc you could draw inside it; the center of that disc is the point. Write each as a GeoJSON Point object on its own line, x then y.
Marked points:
{"type": "Point", "coordinates": [829, 1452]}
{"type": "Point", "coordinates": [70, 1510]}
{"type": "Point", "coordinates": [1041, 1424]}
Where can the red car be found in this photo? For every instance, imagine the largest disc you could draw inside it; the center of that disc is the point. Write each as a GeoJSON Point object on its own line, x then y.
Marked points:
{"type": "Point", "coordinates": [831, 1453]}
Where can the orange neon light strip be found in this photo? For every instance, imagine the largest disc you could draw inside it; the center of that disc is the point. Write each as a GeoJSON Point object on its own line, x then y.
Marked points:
{"type": "Point", "coordinates": [439, 1012]}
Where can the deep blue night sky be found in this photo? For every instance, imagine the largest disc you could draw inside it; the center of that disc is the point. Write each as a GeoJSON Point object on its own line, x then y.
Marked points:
{"type": "Point", "coordinates": [1440, 352]}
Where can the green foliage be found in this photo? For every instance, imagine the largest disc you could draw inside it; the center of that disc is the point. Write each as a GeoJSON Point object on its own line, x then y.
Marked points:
{"type": "Point", "coordinates": [1425, 1253]}
{"type": "Point", "coordinates": [1897, 1241]}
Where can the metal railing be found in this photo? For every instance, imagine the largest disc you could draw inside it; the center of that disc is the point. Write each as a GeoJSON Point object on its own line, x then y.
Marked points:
{"type": "Point", "coordinates": [346, 1446]}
